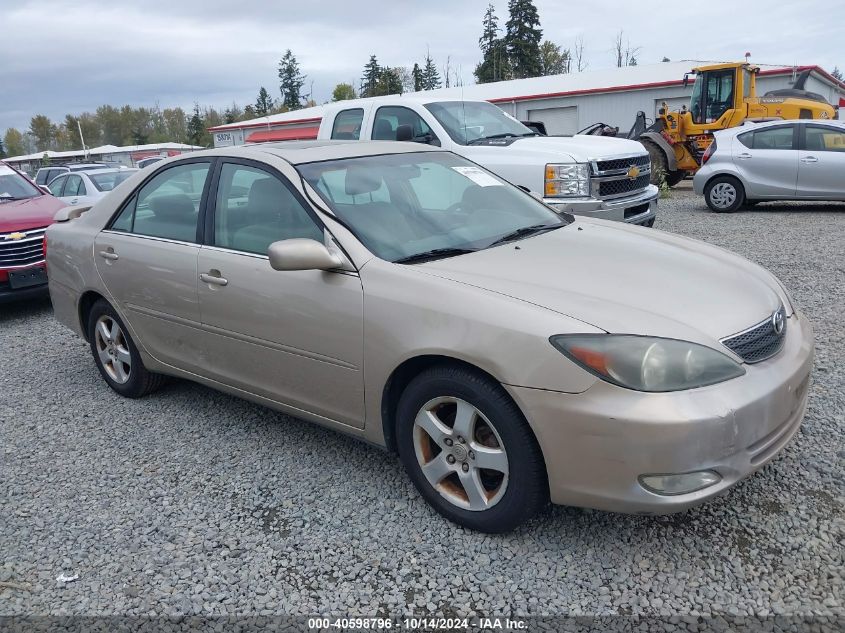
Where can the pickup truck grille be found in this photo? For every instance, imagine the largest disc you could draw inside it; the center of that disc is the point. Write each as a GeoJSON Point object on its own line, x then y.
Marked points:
{"type": "Point", "coordinates": [610, 178]}
{"type": "Point", "coordinates": [619, 187]}
{"type": "Point", "coordinates": [21, 251]}
{"type": "Point", "coordinates": [622, 163]}
{"type": "Point", "coordinates": [758, 342]}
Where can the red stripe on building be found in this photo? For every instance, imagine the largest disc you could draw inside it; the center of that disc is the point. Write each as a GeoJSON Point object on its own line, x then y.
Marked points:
{"type": "Point", "coordinates": [290, 134]}
{"type": "Point", "coordinates": [236, 126]}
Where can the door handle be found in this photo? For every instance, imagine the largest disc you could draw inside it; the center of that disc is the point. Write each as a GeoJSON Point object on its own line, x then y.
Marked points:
{"type": "Point", "coordinates": [215, 279]}
{"type": "Point", "coordinates": [109, 254]}
{"type": "Point", "coordinates": [74, 201]}
{"type": "Point", "coordinates": [744, 155]}
{"type": "Point", "coordinates": [809, 159]}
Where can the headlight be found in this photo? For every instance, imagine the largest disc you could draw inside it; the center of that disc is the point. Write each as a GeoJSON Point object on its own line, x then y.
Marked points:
{"type": "Point", "coordinates": [564, 181]}
{"type": "Point", "coordinates": [647, 363]}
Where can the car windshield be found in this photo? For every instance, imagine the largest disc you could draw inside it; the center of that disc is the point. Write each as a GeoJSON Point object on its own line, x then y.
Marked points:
{"type": "Point", "coordinates": [13, 186]}
{"type": "Point", "coordinates": [468, 122]}
{"type": "Point", "coordinates": [425, 205]}
{"type": "Point", "coordinates": [108, 180]}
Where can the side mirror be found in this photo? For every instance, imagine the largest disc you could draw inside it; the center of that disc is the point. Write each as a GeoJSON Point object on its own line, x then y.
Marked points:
{"type": "Point", "coordinates": [66, 214]}
{"type": "Point", "coordinates": [301, 254]}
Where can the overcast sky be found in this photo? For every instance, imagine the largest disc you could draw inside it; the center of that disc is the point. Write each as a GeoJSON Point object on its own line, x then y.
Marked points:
{"type": "Point", "coordinates": [71, 56]}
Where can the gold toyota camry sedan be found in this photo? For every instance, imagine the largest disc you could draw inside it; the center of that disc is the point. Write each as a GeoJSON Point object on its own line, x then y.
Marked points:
{"type": "Point", "coordinates": [406, 296]}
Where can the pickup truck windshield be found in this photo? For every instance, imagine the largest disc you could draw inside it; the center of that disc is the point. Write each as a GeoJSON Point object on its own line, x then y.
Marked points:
{"type": "Point", "coordinates": [408, 208]}
{"type": "Point", "coordinates": [13, 186]}
{"type": "Point", "coordinates": [470, 121]}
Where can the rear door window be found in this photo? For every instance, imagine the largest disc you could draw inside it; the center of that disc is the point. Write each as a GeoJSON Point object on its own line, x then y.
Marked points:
{"type": "Point", "coordinates": [347, 124]}
{"type": "Point", "coordinates": [57, 185]}
{"type": "Point", "coordinates": [824, 139]}
{"type": "Point", "coordinates": [774, 138]}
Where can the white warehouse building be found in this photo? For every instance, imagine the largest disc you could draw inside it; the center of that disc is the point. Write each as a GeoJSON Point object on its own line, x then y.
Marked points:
{"type": "Point", "coordinates": [564, 103]}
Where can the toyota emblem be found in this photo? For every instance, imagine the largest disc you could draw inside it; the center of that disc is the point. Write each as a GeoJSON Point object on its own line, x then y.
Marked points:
{"type": "Point", "coordinates": [778, 322]}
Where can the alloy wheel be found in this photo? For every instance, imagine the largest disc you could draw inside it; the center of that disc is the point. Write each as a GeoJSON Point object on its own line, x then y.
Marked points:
{"type": "Point", "coordinates": [460, 453]}
{"type": "Point", "coordinates": [112, 349]}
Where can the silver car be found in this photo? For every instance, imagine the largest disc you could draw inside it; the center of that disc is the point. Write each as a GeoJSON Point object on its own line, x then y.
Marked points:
{"type": "Point", "coordinates": [408, 297]}
{"type": "Point", "coordinates": [776, 160]}
{"type": "Point", "coordinates": [84, 188]}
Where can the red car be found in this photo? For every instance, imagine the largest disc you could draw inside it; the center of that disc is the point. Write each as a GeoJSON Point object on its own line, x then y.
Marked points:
{"type": "Point", "coordinates": [25, 212]}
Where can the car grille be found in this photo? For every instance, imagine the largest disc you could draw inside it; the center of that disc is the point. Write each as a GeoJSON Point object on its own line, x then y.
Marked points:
{"type": "Point", "coordinates": [21, 251]}
{"type": "Point", "coordinates": [621, 186]}
{"type": "Point", "coordinates": [758, 342]}
{"type": "Point", "coordinates": [622, 163]}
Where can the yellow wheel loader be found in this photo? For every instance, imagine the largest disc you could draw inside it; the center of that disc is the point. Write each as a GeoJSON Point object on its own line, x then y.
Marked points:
{"type": "Point", "coordinates": [723, 96]}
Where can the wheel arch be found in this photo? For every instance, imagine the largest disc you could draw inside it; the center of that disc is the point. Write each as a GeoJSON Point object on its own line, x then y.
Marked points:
{"type": "Point", "coordinates": [86, 302]}
{"type": "Point", "coordinates": [402, 375]}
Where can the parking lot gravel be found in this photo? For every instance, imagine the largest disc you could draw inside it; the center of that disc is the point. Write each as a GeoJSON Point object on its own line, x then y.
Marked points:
{"type": "Point", "coordinates": [193, 502]}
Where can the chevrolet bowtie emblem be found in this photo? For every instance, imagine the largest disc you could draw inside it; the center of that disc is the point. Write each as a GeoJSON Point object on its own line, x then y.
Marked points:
{"type": "Point", "coordinates": [633, 172]}
{"type": "Point", "coordinates": [15, 236]}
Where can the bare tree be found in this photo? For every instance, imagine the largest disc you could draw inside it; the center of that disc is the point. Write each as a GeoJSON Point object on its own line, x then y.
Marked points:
{"type": "Point", "coordinates": [578, 54]}
{"type": "Point", "coordinates": [447, 72]}
{"type": "Point", "coordinates": [625, 54]}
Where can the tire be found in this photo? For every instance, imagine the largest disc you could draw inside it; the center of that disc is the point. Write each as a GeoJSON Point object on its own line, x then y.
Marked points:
{"type": "Point", "coordinates": [496, 499]}
{"type": "Point", "coordinates": [116, 356]}
{"type": "Point", "coordinates": [724, 194]}
{"type": "Point", "coordinates": [650, 223]}
{"type": "Point", "coordinates": [659, 165]}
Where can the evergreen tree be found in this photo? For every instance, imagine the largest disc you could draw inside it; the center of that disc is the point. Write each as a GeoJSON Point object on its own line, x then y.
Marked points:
{"type": "Point", "coordinates": [390, 82]}
{"type": "Point", "coordinates": [264, 103]}
{"type": "Point", "coordinates": [370, 80]}
{"type": "Point", "coordinates": [2, 149]}
{"type": "Point", "coordinates": [290, 81]}
{"type": "Point", "coordinates": [522, 38]}
{"type": "Point", "coordinates": [430, 76]}
{"type": "Point", "coordinates": [417, 76]}
{"type": "Point", "coordinates": [14, 142]}
{"type": "Point", "coordinates": [196, 128]}
{"type": "Point", "coordinates": [836, 74]}
{"type": "Point", "coordinates": [494, 56]}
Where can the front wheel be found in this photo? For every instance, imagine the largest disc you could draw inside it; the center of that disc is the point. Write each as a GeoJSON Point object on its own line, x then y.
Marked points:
{"type": "Point", "coordinates": [724, 194]}
{"type": "Point", "coordinates": [469, 450]}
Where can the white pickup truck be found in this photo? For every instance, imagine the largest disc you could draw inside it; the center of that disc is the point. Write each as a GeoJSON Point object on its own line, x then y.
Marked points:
{"type": "Point", "coordinates": [595, 176]}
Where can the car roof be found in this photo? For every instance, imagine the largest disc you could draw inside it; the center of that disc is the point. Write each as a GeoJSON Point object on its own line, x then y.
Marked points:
{"type": "Point", "coordinates": [749, 126]}
{"type": "Point", "coordinates": [105, 170]}
{"type": "Point", "coordinates": [298, 152]}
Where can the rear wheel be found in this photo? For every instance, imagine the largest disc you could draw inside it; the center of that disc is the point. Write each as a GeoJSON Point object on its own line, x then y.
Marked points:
{"type": "Point", "coordinates": [116, 356]}
{"type": "Point", "coordinates": [660, 165]}
{"type": "Point", "coordinates": [469, 450]}
{"type": "Point", "coordinates": [724, 194]}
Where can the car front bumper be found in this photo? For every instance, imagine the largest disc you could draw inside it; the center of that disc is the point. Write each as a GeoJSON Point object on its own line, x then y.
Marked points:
{"type": "Point", "coordinates": [9, 294]}
{"type": "Point", "coordinates": [637, 209]}
{"type": "Point", "coordinates": [598, 443]}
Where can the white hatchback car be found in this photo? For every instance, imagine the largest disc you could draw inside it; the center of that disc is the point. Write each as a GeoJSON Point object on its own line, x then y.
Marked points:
{"type": "Point", "coordinates": [775, 160]}
{"type": "Point", "coordinates": [84, 188]}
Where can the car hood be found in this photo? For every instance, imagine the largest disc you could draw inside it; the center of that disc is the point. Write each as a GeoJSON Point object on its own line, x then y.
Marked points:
{"type": "Point", "coordinates": [576, 148]}
{"type": "Point", "coordinates": [624, 280]}
{"type": "Point", "coordinates": [32, 213]}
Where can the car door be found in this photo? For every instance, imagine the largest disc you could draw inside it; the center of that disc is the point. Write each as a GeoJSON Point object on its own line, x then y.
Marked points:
{"type": "Point", "coordinates": [147, 259]}
{"type": "Point", "coordinates": [821, 163]}
{"type": "Point", "coordinates": [75, 191]}
{"type": "Point", "coordinates": [57, 185]}
{"type": "Point", "coordinates": [767, 160]}
{"type": "Point", "coordinates": [291, 336]}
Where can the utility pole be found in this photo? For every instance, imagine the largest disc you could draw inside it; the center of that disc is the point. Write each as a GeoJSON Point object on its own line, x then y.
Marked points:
{"type": "Point", "coordinates": [84, 149]}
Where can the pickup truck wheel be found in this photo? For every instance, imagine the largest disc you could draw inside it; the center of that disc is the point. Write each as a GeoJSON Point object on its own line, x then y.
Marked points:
{"type": "Point", "coordinates": [469, 451]}
{"type": "Point", "coordinates": [116, 356]}
{"type": "Point", "coordinates": [724, 194]}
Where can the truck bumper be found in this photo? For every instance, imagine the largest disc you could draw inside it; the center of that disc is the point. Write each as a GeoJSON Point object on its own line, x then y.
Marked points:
{"type": "Point", "coordinates": [638, 209]}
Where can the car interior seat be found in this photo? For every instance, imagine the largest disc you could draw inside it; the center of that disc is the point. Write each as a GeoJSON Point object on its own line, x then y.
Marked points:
{"type": "Point", "coordinates": [174, 217]}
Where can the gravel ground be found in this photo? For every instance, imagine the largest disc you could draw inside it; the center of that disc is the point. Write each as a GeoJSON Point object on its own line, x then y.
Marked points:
{"type": "Point", "coordinates": [190, 501]}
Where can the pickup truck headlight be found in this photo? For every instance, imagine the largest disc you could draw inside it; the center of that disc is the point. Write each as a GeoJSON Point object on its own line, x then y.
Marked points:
{"type": "Point", "coordinates": [646, 363]}
{"type": "Point", "coordinates": [567, 181]}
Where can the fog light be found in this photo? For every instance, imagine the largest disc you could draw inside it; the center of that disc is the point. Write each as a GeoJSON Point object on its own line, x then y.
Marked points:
{"type": "Point", "coordinates": [679, 484]}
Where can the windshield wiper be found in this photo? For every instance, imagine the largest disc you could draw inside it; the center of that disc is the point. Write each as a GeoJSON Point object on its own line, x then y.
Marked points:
{"type": "Point", "coordinates": [436, 253]}
{"type": "Point", "coordinates": [525, 231]}
{"type": "Point", "coordinates": [492, 136]}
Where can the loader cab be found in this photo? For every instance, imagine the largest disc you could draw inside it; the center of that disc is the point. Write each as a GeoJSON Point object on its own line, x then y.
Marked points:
{"type": "Point", "coordinates": [718, 90]}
